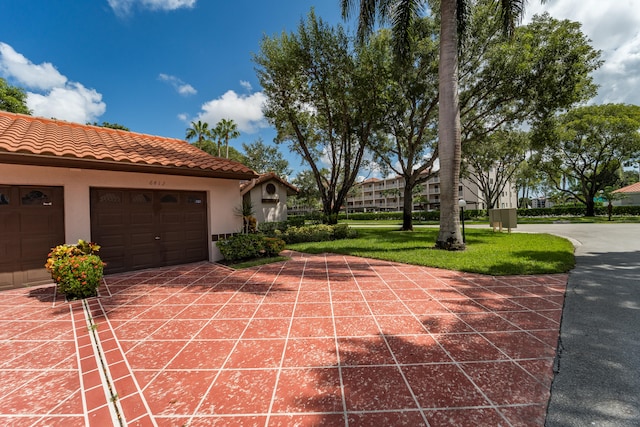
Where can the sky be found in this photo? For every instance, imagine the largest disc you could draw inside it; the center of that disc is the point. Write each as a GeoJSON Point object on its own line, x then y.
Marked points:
{"type": "Point", "coordinates": [155, 66]}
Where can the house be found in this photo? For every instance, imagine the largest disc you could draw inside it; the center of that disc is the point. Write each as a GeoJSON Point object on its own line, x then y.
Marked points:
{"type": "Point", "coordinates": [148, 201]}
{"type": "Point", "coordinates": [631, 195]}
{"type": "Point", "coordinates": [268, 196]}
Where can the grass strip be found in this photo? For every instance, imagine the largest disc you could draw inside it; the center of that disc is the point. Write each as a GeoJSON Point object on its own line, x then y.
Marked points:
{"type": "Point", "coordinates": [487, 252]}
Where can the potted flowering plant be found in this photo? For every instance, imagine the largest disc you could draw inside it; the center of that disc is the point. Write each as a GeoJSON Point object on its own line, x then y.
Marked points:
{"type": "Point", "coordinates": [76, 269]}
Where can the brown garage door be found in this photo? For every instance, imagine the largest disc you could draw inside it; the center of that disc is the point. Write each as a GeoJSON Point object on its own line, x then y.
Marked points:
{"type": "Point", "coordinates": [148, 228]}
{"type": "Point", "coordinates": [31, 223]}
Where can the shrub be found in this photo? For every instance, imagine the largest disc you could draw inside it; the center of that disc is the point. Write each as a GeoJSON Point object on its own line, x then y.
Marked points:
{"type": "Point", "coordinates": [270, 228]}
{"type": "Point", "coordinates": [248, 246]}
{"type": "Point", "coordinates": [578, 211]}
{"type": "Point", "coordinates": [340, 231]}
{"type": "Point", "coordinates": [241, 246]}
{"type": "Point", "coordinates": [295, 221]}
{"type": "Point", "coordinates": [273, 246]}
{"type": "Point", "coordinates": [76, 269]}
{"type": "Point", "coordinates": [309, 233]}
{"type": "Point", "coordinates": [317, 233]}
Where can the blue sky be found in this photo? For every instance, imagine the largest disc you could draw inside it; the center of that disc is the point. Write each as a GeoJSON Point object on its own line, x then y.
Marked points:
{"type": "Point", "coordinates": [152, 66]}
{"type": "Point", "coordinates": [156, 65]}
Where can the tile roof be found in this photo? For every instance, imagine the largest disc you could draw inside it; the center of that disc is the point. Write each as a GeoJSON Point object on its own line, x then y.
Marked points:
{"type": "Point", "coordinates": [39, 141]}
{"type": "Point", "coordinates": [368, 180]}
{"type": "Point", "coordinates": [633, 188]}
{"type": "Point", "coordinates": [247, 186]}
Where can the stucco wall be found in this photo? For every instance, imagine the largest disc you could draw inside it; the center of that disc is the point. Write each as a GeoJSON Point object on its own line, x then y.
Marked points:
{"type": "Point", "coordinates": [269, 212]}
{"type": "Point", "coordinates": [222, 195]}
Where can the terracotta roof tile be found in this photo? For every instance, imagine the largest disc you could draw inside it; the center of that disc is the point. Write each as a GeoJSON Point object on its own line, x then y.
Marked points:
{"type": "Point", "coordinates": [369, 180]}
{"type": "Point", "coordinates": [633, 188]}
{"type": "Point", "coordinates": [40, 140]}
{"type": "Point", "coordinates": [247, 186]}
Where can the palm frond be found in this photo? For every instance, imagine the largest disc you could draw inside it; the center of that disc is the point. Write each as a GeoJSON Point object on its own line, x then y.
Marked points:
{"type": "Point", "coordinates": [511, 12]}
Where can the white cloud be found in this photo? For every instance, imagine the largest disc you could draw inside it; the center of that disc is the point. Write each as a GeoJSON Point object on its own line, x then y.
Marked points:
{"type": "Point", "coordinates": [614, 28]}
{"type": "Point", "coordinates": [244, 110]}
{"type": "Point", "coordinates": [181, 87]}
{"type": "Point", "coordinates": [42, 76]}
{"type": "Point", "coordinates": [49, 93]}
{"type": "Point", "coordinates": [73, 103]}
{"type": "Point", "coordinates": [245, 84]}
{"type": "Point", "coordinates": [124, 7]}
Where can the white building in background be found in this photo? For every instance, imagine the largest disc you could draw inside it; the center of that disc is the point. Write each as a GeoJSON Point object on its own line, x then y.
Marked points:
{"type": "Point", "coordinates": [541, 202]}
{"type": "Point", "coordinates": [387, 195]}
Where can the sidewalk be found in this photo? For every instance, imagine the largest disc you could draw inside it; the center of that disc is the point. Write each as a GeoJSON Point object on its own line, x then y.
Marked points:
{"type": "Point", "coordinates": [318, 340]}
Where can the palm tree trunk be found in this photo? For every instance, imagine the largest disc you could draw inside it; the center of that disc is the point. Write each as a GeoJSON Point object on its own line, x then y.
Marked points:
{"type": "Point", "coordinates": [449, 139]}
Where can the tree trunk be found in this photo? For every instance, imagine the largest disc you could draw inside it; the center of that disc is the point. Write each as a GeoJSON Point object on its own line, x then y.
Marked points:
{"type": "Point", "coordinates": [330, 212]}
{"type": "Point", "coordinates": [407, 220]}
{"type": "Point", "coordinates": [449, 143]}
{"type": "Point", "coordinates": [591, 207]}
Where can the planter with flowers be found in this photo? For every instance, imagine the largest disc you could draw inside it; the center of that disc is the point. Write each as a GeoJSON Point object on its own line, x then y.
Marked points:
{"type": "Point", "coordinates": [76, 269]}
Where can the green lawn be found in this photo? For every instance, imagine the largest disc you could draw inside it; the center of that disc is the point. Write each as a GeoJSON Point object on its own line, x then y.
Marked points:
{"type": "Point", "coordinates": [487, 252]}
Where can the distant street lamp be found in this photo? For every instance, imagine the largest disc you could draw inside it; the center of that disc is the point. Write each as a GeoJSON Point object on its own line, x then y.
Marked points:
{"type": "Point", "coordinates": [462, 205]}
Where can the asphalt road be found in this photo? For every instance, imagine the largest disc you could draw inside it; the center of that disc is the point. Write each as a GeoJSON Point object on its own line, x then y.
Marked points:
{"type": "Point", "coordinates": [597, 380]}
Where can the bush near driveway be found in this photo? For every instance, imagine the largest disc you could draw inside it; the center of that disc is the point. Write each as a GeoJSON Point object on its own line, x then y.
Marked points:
{"type": "Point", "coordinates": [316, 233]}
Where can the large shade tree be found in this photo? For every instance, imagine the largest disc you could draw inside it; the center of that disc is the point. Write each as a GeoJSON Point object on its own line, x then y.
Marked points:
{"type": "Point", "coordinates": [408, 144]}
{"type": "Point", "coordinates": [491, 165]}
{"type": "Point", "coordinates": [453, 14]}
{"type": "Point", "coordinates": [322, 97]}
{"type": "Point", "coordinates": [503, 85]}
{"type": "Point", "coordinates": [588, 148]}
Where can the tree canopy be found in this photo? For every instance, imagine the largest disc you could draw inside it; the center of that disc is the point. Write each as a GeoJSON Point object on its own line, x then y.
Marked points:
{"type": "Point", "coordinates": [498, 81]}
{"type": "Point", "coordinates": [587, 148]}
{"type": "Point", "coordinates": [492, 164]}
{"type": "Point", "coordinates": [263, 158]}
{"type": "Point", "coordinates": [408, 141]}
{"type": "Point", "coordinates": [322, 99]}
{"type": "Point", "coordinates": [110, 125]}
{"type": "Point", "coordinates": [225, 130]}
{"type": "Point", "coordinates": [13, 99]}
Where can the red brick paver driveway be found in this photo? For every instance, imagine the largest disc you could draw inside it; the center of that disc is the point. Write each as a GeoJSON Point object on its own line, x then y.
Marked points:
{"type": "Point", "coordinates": [321, 340]}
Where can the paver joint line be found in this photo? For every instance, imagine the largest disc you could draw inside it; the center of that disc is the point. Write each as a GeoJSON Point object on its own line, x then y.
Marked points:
{"type": "Point", "coordinates": [107, 381]}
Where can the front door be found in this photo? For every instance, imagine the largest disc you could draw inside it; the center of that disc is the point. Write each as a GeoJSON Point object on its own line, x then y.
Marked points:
{"type": "Point", "coordinates": [31, 223]}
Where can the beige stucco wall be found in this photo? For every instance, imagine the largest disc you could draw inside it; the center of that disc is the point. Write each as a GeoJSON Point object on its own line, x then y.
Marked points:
{"type": "Point", "coordinates": [222, 195]}
{"type": "Point", "coordinates": [269, 212]}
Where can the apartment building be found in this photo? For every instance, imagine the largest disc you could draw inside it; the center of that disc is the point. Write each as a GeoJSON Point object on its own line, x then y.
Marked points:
{"type": "Point", "coordinates": [387, 195]}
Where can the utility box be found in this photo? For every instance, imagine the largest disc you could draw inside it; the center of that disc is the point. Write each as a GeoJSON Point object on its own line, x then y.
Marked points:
{"type": "Point", "coordinates": [503, 218]}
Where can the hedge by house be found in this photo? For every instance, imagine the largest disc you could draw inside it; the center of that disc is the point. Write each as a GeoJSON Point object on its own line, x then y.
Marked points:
{"type": "Point", "coordinates": [316, 233]}
{"type": "Point", "coordinates": [249, 246]}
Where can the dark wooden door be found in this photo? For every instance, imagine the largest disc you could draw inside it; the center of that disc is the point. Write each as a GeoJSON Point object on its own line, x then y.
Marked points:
{"type": "Point", "coordinates": [148, 228]}
{"type": "Point", "coordinates": [31, 223]}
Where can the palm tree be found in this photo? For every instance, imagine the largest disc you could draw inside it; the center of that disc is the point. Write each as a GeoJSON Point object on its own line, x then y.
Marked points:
{"type": "Point", "coordinates": [226, 130]}
{"type": "Point", "coordinates": [200, 131]}
{"type": "Point", "coordinates": [401, 13]}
